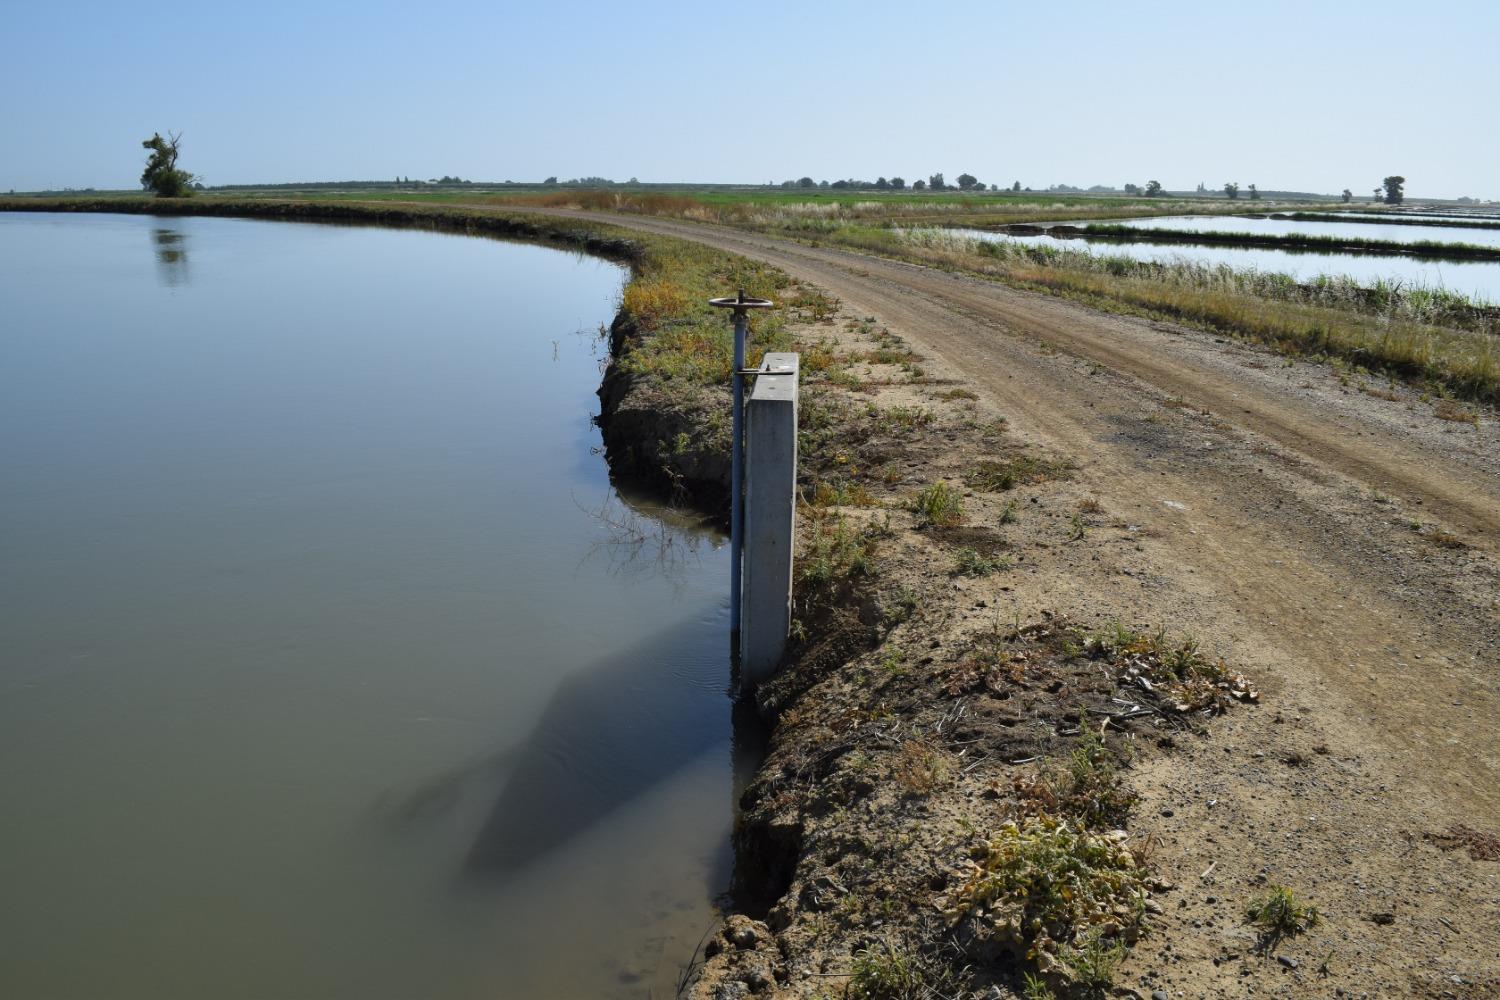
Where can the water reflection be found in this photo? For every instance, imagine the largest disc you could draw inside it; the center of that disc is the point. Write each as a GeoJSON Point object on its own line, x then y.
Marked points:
{"type": "Point", "coordinates": [643, 539]}
{"type": "Point", "coordinates": [171, 256]}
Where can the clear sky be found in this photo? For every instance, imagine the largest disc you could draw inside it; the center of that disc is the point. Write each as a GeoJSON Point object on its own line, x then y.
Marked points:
{"type": "Point", "coordinates": [1307, 95]}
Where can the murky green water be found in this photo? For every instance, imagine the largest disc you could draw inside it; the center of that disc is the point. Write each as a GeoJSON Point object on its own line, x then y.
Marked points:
{"type": "Point", "coordinates": [322, 675]}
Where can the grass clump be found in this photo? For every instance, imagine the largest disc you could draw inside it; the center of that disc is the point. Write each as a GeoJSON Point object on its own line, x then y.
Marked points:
{"type": "Point", "coordinates": [1034, 987]}
{"type": "Point", "coordinates": [1092, 966]}
{"type": "Point", "coordinates": [885, 972]}
{"type": "Point", "coordinates": [834, 551]}
{"type": "Point", "coordinates": [938, 506]}
{"type": "Point", "coordinates": [902, 420]}
{"type": "Point", "coordinates": [969, 561]}
{"type": "Point", "coordinates": [1045, 890]}
{"type": "Point", "coordinates": [842, 493]}
{"type": "Point", "coordinates": [1279, 914]}
{"type": "Point", "coordinates": [1087, 786]}
{"type": "Point", "coordinates": [1189, 680]}
{"type": "Point", "coordinates": [921, 769]}
{"type": "Point", "coordinates": [1446, 409]}
{"type": "Point", "coordinates": [997, 477]}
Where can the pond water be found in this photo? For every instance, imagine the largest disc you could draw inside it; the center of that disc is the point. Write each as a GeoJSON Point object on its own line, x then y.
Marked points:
{"type": "Point", "coordinates": [1283, 227]}
{"type": "Point", "coordinates": [1479, 280]}
{"type": "Point", "coordinates": [1436, 217]}
{"type": "Point", "coordinates": [334, 666]}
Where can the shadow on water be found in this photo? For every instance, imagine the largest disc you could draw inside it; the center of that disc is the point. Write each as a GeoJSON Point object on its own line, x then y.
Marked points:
{"type": "Point", "coordinates": [612, 731]}
{"type": "Point", "coordinates": [171, 256]}
{"type": "Point", "coordinates": [609, 735]}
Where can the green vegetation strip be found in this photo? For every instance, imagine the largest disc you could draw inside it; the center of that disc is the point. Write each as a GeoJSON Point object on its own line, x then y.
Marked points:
{"type": "Point", "coordinates": [1291, 241]}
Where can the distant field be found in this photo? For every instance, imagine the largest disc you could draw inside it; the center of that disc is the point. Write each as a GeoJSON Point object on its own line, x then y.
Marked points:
{"type": "Point", "coordinates": [706, 194]}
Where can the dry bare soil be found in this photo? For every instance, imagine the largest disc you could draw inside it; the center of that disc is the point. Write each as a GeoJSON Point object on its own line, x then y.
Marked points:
{"type": "Point", "coordinates": [1336, 546]}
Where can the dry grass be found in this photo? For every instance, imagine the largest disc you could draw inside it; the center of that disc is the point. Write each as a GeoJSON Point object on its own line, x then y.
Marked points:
{"type": "Point", "coordinates": [1480, 845]}
{"type": "Point", "coordinates": [921, 769]}
{"type": "Point", "coordinates": [992, 476]}
{"type": "Point", "coordinates": [1441, 538]}
{"type": "Point", "coordinates": [652, 300]}
{"type": "Point", "coordinates": [1446, 409]}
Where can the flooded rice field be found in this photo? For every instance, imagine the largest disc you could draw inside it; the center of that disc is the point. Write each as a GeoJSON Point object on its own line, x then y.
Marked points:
{"type": "Point", "coordinates": [1476, 279]}
{"type": "Point", "coordinates": [1285, 227]}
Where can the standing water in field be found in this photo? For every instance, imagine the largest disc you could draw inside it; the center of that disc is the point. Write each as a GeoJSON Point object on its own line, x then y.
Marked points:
{"type": "Point", "coordinates": [334, 667]}
{"type": "Point", "coordinates": [1478, 280]}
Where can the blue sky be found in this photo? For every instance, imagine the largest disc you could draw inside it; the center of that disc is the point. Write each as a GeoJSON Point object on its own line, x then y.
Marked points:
{"type": "Point", "coordinates": [1306, 96]}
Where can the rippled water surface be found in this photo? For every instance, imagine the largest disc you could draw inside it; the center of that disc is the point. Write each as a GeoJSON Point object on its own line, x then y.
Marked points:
{"type": "Point", "coordinates": [333, 665]}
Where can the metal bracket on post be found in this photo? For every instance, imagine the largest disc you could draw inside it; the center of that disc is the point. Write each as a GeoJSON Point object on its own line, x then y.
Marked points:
{"type": "Point", "coordinates": [741, 305]}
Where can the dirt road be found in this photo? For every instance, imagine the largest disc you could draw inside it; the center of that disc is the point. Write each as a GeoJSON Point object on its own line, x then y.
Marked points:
{"type": "Point", "coordinates": [1337, 545]}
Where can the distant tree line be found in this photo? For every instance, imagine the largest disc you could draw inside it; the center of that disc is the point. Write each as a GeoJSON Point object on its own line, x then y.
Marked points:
{"type": "Point", "coordinates": [935, 182]}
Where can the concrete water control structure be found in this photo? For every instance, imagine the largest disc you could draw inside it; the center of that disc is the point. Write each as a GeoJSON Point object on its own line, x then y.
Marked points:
{"type": "Point", "coordinates": [762, 501]}
{"type": "Point", "coordinates": [770, 516]}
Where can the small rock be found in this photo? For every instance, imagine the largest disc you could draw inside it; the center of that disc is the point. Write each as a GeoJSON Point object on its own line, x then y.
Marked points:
{"type": "Point", "coordinates": [1383, 919]}
{"type": "Point", "coordinates": [758, 979]}
{"type": "Point", "coordinates": [1160, 995]}
{"type": "Point", "coordinates": [1287, 960]}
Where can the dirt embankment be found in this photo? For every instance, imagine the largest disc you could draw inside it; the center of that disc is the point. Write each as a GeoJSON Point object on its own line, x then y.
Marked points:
{"type": "Point", "coordinates": [1332, 544]}
{"type": "Point", "coordinates": [670, 437]}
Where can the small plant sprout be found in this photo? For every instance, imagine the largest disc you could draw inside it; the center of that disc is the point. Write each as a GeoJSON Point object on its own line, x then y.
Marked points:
{"type": "Point", "coordinates": [1279, 915]}
{"type": "Point", "coordinates": [971, 562]}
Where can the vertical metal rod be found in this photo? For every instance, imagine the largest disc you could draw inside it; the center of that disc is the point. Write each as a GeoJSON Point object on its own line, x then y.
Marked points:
{"type": "Point", "coordinates": [736, 475]}
{"type": "Point", "coordinates": [741, 306]}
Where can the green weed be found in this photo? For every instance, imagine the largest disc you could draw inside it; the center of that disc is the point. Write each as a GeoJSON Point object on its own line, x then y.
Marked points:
{"type": "Point", "coordinates": [1279, 915]}
{"type": "Point", "coordinates": [939, 506]}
